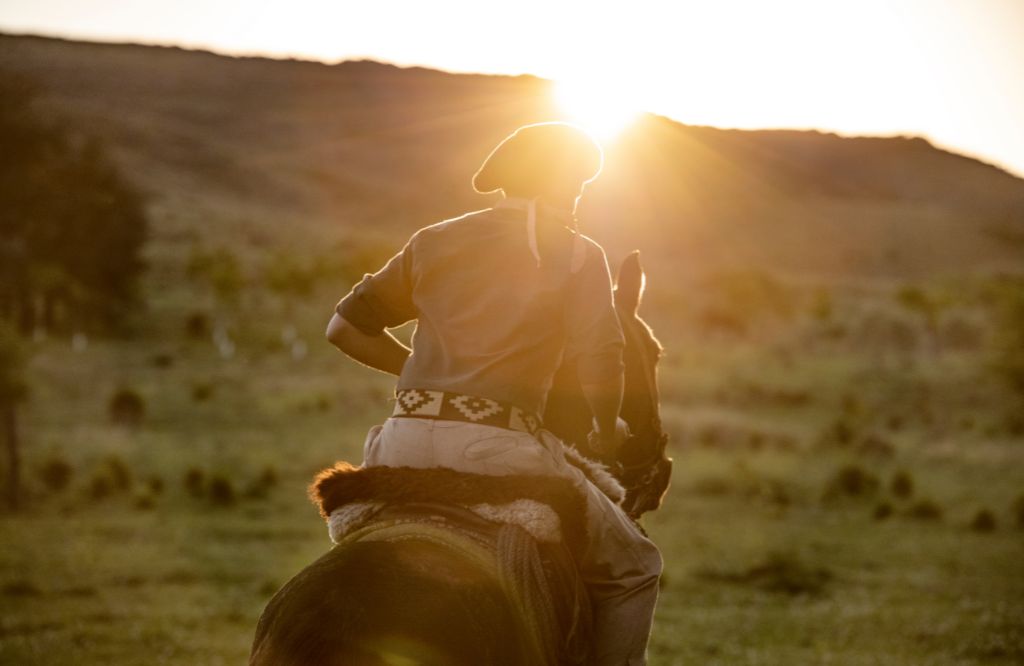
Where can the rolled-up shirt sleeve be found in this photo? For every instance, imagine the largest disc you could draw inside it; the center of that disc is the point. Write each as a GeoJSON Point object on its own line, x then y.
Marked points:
{"type": "Point", "coordinates": [595, 338]}
{"type": "Point", "coordinates": [383, 299]}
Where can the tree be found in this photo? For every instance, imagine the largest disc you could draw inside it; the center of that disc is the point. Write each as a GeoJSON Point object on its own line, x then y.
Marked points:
{"type": "Point", "coordinates": [72, 228]}
{"type": "Point", "coordinates": [13, 390]}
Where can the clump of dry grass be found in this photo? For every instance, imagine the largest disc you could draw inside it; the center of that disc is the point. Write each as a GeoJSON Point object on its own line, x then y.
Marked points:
{"type": "Point", "coordinates": [155, 483]}
{"type": "Point", "coordinates": [984, 521]}
{"type": "Point", "coordinates": [926, 509]}
{"type": "Point", "coordinates": [221, 491]}
{"type": "Point", "coordinates": [194, 482]}
{"type": "Point", "coordinates": [851, 481]}
{"type": "Point", "coordinates": [202, 391]}
{"type": "Point", "coordinates": [145, 502]}
{"type": "Point", "coordinates": [882, 511]}
{"type": "Point", "coordinates": [902, 484]}
{"type": "Point", "coordinates": [56, 473]}
{"type": "Point", "coordinates": [99, 486]}
{"type": "Point", "coordinates": [126, 407]}
{"type": "Point", "coordinates": [197, 326]}
{"type": "Point", "coordinates": [262, 485]}
{"type": "Point", "coordinates": [119, 473]}
{"type": "Point", "coordinates": [778, 572]}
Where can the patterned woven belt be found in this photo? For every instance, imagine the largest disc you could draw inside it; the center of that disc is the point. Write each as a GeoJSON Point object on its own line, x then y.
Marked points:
{"type": "Point", "coordinates": [428, 404]}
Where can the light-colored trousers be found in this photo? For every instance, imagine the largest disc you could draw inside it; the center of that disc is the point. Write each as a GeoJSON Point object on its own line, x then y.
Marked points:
{"type": "Point", "coordinates": [620, 566]}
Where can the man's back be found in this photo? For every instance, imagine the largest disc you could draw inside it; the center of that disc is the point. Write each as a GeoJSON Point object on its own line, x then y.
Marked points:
{"type": "Point", "coordinates": [494, 317]}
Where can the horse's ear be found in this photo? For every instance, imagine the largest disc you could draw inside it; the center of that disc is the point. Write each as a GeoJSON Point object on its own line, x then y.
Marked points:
{"type": "Point", "coordinates": [629, 285]}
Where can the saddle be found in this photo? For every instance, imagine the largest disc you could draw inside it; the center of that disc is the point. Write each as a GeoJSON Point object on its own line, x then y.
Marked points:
{"type": "Point", "coordinates": [522, 531]}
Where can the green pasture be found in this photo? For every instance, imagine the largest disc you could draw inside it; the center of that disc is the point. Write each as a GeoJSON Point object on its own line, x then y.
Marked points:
{"type": "Point", "coordinates": [774, 554]}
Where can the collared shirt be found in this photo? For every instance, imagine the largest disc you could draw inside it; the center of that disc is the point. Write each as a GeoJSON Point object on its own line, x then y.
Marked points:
{"type": "Point", "coordinates": [495, 314]}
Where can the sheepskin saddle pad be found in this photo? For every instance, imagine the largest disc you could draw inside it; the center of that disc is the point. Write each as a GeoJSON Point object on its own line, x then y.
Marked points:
{"type": "Point", "coordinates": [524, 532]}
{"type": "Point", "coordinates": [549, 509]}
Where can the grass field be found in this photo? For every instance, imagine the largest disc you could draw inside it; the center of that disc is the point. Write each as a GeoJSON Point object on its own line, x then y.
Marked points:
{"type": "Point", "coordinates": [774, 554]}
{"type": "Point", "coordinates": [848, 467]}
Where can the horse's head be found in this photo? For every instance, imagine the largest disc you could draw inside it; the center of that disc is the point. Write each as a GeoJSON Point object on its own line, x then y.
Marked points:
{"type": "Point", "coordinates": [641, 465]}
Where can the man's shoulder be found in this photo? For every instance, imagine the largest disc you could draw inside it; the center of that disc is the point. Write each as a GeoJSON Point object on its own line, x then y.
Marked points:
{"type": "Point", "coordinates": [462, 221]}
{"type": "Point", "coordinates": [456, 229]}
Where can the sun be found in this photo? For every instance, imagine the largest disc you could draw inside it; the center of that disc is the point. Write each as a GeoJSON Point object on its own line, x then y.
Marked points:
{"type": "Point", "coordinates": [602, 109]}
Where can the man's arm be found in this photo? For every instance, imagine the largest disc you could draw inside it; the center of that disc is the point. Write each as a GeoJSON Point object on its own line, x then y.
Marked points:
{"type": "Point", "coordinates": [380, 352]}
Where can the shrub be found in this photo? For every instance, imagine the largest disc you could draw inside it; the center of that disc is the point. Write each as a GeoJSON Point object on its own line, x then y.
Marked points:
{"type": "Point", "coordinates": [197, 326]}
{"type": "Point", "coordinates": [162, 360]}
{"type": "Point", "coordinates": [126, 407]}
{"type": "Point", "coordinates": [56, 474]}
{"type": "Point", "coordinates": [119, 473]}
{"type": "Point", "coordinates": [194, 482]}
{"type": "Point", "coordinates": [100, 486]}
{"type": "Point", "coordinates": [709, 437]}
{"type": "Point", "coordinates": [21, 588]}
{"type": "Point", "coordinates": [780, 573]}
{"type": "Point", "coordinates": [851, 405]}
{"type": "Point", "coordinates": [882, 511]}
{"type": "Point", "coordinates": [155, 484]}
{"type": "Point", "coordinates": [268, 477]}
{"type": "Point", "coordinates": [983, 521]}
{"type": "Point", "coordinates": [851, 481]}
{"type": "Point", "coordinates": [261, 485]}
{"type": "Point", "coordinates": [902, 484]}
{"type": "Point", "coordinates": [202, 392]}
{"type": "Point", "coordinates": [1013, 424]}
{"type": "Point", "coordinates": [145, 502]}
{"type": "Point", "coordinates": [774, 492]}
{"type": "Point", "coordinates": [925, 509]}
{"type": "Point", "coordinates": [876, 445]}
{"type": "Point", "coordinates": [221, 491]}
{"type": "Point", "coordinates": [840, 432]}
{"type": "Point", "coordinates": [895, 422]}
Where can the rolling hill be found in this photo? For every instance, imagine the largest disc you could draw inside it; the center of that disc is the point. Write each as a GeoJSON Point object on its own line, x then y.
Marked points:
{"type": "Point", "coordinates": [268, 152]}
{"type": "Point", "coordinates": [848, 464]}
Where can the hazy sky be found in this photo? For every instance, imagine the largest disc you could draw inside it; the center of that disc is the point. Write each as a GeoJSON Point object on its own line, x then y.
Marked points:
{"type": "Point", "coordinates": [951, 70]}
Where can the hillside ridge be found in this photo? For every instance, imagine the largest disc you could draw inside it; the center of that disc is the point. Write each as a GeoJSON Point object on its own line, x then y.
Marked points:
{"type": "Point", "coordinates": [368, 147]}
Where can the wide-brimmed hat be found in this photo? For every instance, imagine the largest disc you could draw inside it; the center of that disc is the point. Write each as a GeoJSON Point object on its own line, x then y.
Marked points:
{"type": "Point", "coordinates": [537, 158]}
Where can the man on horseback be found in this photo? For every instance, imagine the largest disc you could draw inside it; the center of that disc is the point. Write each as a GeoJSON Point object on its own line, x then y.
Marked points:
{"type": "Point", "coordinates": [501, 296]}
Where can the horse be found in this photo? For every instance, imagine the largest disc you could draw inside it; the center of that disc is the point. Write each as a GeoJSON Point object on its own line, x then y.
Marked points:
{"type": "Point", "coordinates": [438, 567]}
{"type": "Point", "coordinates": [642, 465]}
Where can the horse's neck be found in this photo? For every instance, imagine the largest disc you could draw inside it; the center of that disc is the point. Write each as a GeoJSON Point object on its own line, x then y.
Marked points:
{"type": "Point", "coordinates": [567, 413]}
